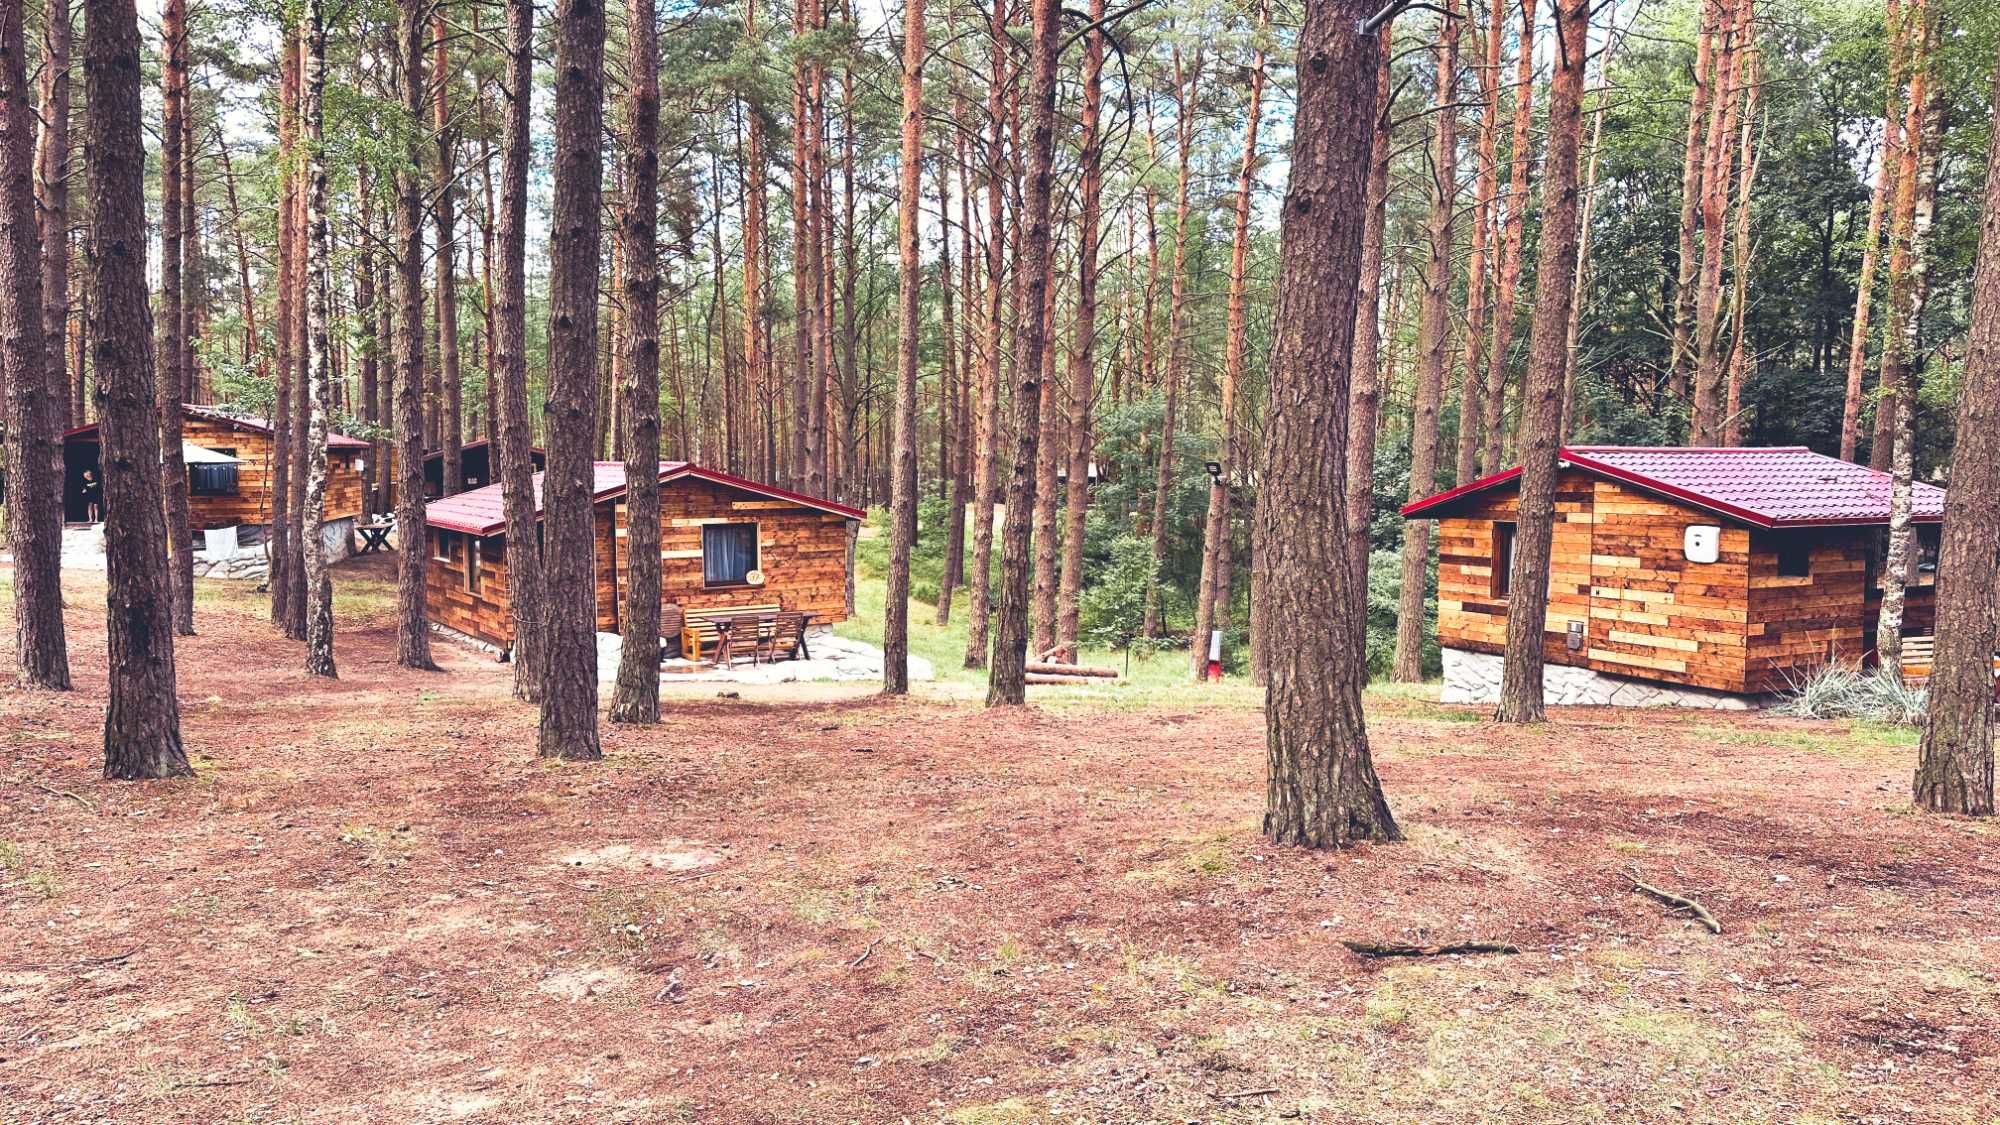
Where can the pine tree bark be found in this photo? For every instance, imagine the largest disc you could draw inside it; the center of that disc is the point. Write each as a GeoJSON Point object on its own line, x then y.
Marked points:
{"type": "Point", "coordinates": [909, 298]}
{"type": "Point", "coordinates": [1955, 754]}
{"type": "Point", "coordinates": [1747, 159]}
{"type": "Point", "coordinates": [1706, 427]}
{"type": "Point", "coordinates": [1864, 286]}
{"type": "Point", "coordinates": [1486, 184]}
{"type": "Point", "coordinates": [1007, 680]}
{"type": "Point", "coordinates": [1364, 393]}
{"type": "Point", "coordinates": [413, 637]}
{"type": "Point", "coordinates": [295, 325]}
{"type": "Point", "coordinates": [1681, 356]}
{"type": "Point", "coordinates": [1433, 344]}
{"type": "Point", "coordinates": [954, 408]}
{"type": "Point", "coordinates": [451, 423]}
{"type": "Point", "coordinates": [636, 697]}
{"type": "Point", "coordinates": [1052, 451]}
{"type": "Point", "coordinates": [1541, 398]}
{"type": "Point", "coordinates": [33, 388]}
{"type": "Point", "coordinates": [319, 382]}
{"type": "Point", "coordinates": [569, 682]}
{"type": "Point", "coordinates": [986, 475]}
{"type": "Point", "coordinates": [1907, 289]}
{"type": "Point", "coordinates": [1321, 789]}
{"type": "Point", "coordinates": [1520, 160]}
{"type": "Point", "coordinates": [278, 539]}
{"type": "Point", "coordinates": [1212, 595]}
{"type": "Point", "coordinates": [1902, 244]}
{"type": "Point", "coordinates": [1083, 354]}
{"type": "Point", "coordinates": [52, 160]}
{"type": "Point", "coordinates": [142, 725]}
{"type": "Point", "coordinates": [169, 380]}
{"type": "Point", "coordinates": [517, 469]}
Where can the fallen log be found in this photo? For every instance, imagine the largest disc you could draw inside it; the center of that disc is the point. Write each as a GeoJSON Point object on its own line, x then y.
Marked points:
{"type": "Point", "coordinates": [1678, 902]}
{"type": "Point", "coordinates": [1073, 670]}
{"type": "Point", "coordinates": [1043, 678]}
{"type": "Point", "coordinates": [1398, 949]}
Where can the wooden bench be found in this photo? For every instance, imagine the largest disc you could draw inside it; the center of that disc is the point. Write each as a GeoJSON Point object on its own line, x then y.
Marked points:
{"type": "Point", "coordinates": [784, 637]}
{"type": "Point", "coordinates": [1918, 654]}
{"type": "Point", "coordinates": [701, 631]}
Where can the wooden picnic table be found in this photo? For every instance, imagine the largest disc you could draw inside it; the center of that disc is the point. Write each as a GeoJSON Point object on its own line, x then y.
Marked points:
{"type": "Point", "coordinates": [374, 536]}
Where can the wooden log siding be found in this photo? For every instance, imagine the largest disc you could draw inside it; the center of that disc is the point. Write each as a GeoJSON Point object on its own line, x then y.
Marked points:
{"type": "Point", "coordinates": [802, 552]}
{"type": "Point", "coordinates": [251, 503]}
{"type": "Point", "coordinates": [1619, 566]}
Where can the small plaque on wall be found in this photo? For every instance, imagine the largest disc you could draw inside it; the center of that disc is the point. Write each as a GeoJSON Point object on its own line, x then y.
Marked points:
{"type": "Point", "coordinates": [1703, 543]}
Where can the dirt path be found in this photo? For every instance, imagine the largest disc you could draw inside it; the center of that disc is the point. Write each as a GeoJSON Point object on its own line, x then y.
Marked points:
{"type": "Point", "coordinates": [374, 904]}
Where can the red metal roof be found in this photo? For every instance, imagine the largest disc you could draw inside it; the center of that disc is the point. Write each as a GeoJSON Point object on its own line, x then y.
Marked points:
{"type": "Point", "coordinates": [1782, 486]}
{"type": "Point", "coordinates": [246, 421]}
{"type": "Point", "coordinates": [482, 511]}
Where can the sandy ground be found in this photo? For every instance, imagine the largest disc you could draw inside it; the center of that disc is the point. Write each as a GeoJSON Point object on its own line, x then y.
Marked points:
{"type": "Point", "coordinates": [810, 904]}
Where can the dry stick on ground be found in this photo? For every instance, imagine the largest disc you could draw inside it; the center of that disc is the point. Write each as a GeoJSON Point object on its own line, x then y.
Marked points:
{"type": "Point", "coordinates": [54, 792]}
{"type": "Point", "coordinates": [856, 963]}
{"type": "Point", "coordinates": [1257, 1093]}
{"type": "Point", "coordinates": [1397, 949]}
{"type": "Point", "coordinates": [1678, 902]}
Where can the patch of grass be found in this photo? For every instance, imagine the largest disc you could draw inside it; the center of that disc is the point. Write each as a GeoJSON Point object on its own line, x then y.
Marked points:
{"type": "Point", "coordinates": [10, 856]}
{"type": "Point", "coordinates": [1010, 951]}
{"type": "Point", "coordinates": [997, 1113]}
{"type": "Point", "coordinates": [1384, 1014]}
{"type": "Point", "coordinates": [1213, 858]}
{"type": "Point", "coordinates": [44, 884]}
{"type": "Point", "coordinates": [239, 1017]}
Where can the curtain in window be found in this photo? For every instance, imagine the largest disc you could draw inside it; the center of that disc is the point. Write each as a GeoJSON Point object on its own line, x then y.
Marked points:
{"type": "Point", "coordinates": [212, 480]}
{"type": "Point", "coordinates": [728, 552]}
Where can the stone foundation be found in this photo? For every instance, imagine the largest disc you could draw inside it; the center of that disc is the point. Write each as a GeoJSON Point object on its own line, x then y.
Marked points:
{"type": "Point", "coordinates": [1474, 677]}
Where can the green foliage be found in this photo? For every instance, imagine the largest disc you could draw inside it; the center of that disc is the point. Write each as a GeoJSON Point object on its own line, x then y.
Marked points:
{"type": "Point", "coordinates": [1385, 590]}
{"type": "Point", "coordinates": [1112, 607]}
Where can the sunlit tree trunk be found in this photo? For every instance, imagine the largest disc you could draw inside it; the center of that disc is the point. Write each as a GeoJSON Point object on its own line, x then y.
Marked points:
{"type": "Point", "coordinates": [909, 298]}
{"type": "Point", "coordinates": [142, 725]}
{"type": "Point", "coordinates": [1680, 360]}
{"type": "Point", "coordinates": [1434, 342]}
{"type": "Point", "coordinates": [1472, 379]}
{"type": "Point", "coordinates": [34, 388]}
{"type": "Point", "coordinates": [1902, 242]}
{"type": "Point", "coordinates": [1185, 81]}
{"type": "Point", "coordinates": [1321, 789]}
{"type": "Point", "coordinates": [1747, 159]}
{"type": "Point", "coordinates": [1864, 288]}
{"type": "Point", "coordinates": [283, 530]}
{"type": "Point", "coordinates": [1706, 426]}
{"type": "Point", "coordinates": [569, 680]}
{"type": "Point", "coordinates": [986, 474]}
{"type": "Point", "coordinates": [168, 379]}
{"type": "Point", "coordinates": [1541, 393]}
{"type": "Point", "coordinates": [451, 424]}
{"type": "Point", "coordinates": [319, 384]}
{"type": "Point", "coordinates": [1364, 393]}
{"type": "Point", "coordinates": [1955, 755]}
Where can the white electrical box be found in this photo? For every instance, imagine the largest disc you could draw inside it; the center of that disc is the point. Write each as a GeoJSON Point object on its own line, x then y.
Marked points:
{"type": "Point", "coordinates": [1703, 543]}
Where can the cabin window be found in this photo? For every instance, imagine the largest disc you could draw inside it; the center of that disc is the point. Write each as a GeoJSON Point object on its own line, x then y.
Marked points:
{"type": "Point", "coordinates": [728, 553]}
{"type": "Point", "coordinates": [1794, 558]}
{"type": "Point", "coordinates": [472, 565]}
{"type": "Point", "coordinates": [213, 480]}
{"type": "Point", "coordinates": [1503, 559]}
{"type": "Point", "coordinates": [447, 547]}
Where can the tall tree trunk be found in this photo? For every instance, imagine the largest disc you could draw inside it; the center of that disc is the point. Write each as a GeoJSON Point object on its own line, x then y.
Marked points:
{"type": "Point", "coordinates": [1902, 244]}
{"type": "Point", "coordinates": [1050, 452]}
{"type": "Point", "coordinates": [1907, 290]}
{"type": "Point", "coordinates": [569, 682]}
{"type": "Point", "coordinates": [295, 500]}
{"type": "Point", "coordinates": [805, 254]}
{"type": "Point", "coordinates": [1706, 428]}
{"type": "Point", "coordinates": [52, 206]}
{"type": "Point", "coordinates": [1211, 603]}
{"type": "Point", "coordinates": [169, 381]}
{"type": "Point", "coordinates": [1955, 755]}
{"type": "Point", "coordinates": [1541, 397]}
{"type": "Point", "coordinates": [142, 723]}
{"type": "Point", "coordinates": [517, 469]}
{"type": "Point", "coordinates": [374, 477]}
{"type": "Point", "coordinates": [1864, 287]}
{"type": "Point", "coordinates": [33, 387]}
{"type": "Point", "coordinates": [1364, 394]}
{"type": "Point", "coordinates": [1520, 159]}
{"type": "Point", "coordinates": [986, 476]}
{"type": "Point", "coordinates": [413, 637]}
{"type": "Point", "coordinates": [753, 240]}
{"type": "Point", "coordinates": [451, 424]}
{"type": "Point", "coordinates": [1163, 462]}
{"type": "Point", "coordinates": [1007, 680]}
{"type": "Point", "coordinates": [1747, 159]}
{"type": "Point", "coordinates": [1471, 393]}
{"type": "Point", "coordinates": [1083, 355]}
{"type": "Point", "coordinates": [1681, 357]}
{"type": "Point", "coordinates": [279, 538]}
{"type": "Point", "coordinates": [1581, 287]}
{"type": "Point", "coordinates": [246, 296]}
{"type": "Point", "coordinates": [1434, 341]}
{"type": "Point", "coordinates": [319, 389]}
{"type": "Point", "coordinates": [636, 697]}
{"type": "Point", "coordinates": [909, 298]}
{"type": "Point", "coordinates": [1321, 787]}
{"type": "Point", "coordinates": [953, 460]}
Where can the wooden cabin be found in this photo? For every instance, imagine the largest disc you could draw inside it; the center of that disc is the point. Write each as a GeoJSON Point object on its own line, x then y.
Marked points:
{"type": "Point", "coordinates": [222, 493]}
{"type": "Point", "coordinates": [724, 541]}
{"type": "Point", "coordinates": [1725, 570]}
{"type": "Point", "coordinates": [479, 464]}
